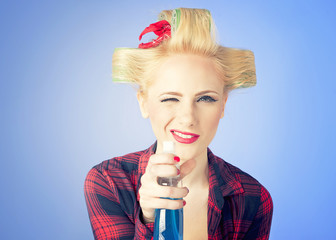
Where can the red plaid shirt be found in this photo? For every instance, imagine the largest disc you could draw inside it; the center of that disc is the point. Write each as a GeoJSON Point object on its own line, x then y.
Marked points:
{"type": "Point", "coordinates": [239, 207]}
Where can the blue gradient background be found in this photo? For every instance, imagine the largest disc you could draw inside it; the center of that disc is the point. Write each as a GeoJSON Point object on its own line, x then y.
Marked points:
{"type": "Point", "coordinates": [61, 114]}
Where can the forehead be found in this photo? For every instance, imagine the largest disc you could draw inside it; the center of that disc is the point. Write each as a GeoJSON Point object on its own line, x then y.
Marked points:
{"type": "Point", "coordinates": [186, 72]}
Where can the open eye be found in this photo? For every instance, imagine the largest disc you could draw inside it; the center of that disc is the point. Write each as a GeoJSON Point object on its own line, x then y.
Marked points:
{"type": "Point", "coordinates": [170, 100]}
{"type": "Point", "coordinates": [206, 99]}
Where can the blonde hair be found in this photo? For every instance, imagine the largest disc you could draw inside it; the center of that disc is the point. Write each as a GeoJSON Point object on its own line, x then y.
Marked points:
{"type": "Point", "coordinates": [192, 32]}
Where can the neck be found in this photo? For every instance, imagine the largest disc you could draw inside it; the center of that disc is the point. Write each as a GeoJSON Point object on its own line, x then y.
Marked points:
{"type": "Point", "coordinates": [199, 177]}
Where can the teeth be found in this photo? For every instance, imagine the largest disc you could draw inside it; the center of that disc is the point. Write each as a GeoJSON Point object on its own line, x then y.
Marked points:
{"type": "Point", "coordinates": [183, 135]}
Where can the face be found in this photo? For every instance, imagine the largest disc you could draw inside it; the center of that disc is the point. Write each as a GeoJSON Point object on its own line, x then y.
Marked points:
{"type": "Point", "coordinates": [185, 103]}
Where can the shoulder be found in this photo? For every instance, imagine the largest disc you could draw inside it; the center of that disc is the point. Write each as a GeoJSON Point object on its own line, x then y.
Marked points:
{"type": "Point", "coordinates": [117, 172]}
{"type": "Point", "coordinates": [257, 205]}
{"type": "Point", "coordinates": [251, 203]}
{"type": "Point", "coordinates": [110, 189]}
{"type": "Point", "coordinates": [126, 163]}
{"type": "Point", "coordinates": [250, 185]}
{"type": "Point", "coordinates": [254, 195]}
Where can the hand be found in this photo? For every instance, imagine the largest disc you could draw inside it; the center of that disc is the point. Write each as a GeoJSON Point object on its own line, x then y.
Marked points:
{"type": "Point", "coordinates": [152, 194]}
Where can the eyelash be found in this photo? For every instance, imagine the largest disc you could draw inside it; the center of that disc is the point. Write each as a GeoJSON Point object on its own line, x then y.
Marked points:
{"type": "Point", "coordinates": [170, 99]}
{"type": "Point", "coordinates": [201, 99]}
{"type": "Point", "coordinates": [206, 99]}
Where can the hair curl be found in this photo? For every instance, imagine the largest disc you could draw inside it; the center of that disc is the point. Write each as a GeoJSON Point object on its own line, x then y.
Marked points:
{"type": "Point", "coordinates": [193, 32]}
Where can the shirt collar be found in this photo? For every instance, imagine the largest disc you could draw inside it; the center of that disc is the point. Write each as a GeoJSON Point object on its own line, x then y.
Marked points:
{"type": "Point", "coordinates": [144, 158]}
{"type": "Point", "coordinates": [222, 182]}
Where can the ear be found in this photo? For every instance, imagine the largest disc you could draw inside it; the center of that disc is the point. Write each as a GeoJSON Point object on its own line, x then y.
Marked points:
{"type": "Point", "coordinates": [142, 104]}
{"type": "Point", "coordinates": [224, 103]}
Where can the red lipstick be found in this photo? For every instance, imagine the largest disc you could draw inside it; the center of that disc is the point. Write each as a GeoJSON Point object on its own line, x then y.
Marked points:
{"type": "Point", "coordinates": [184, 137]}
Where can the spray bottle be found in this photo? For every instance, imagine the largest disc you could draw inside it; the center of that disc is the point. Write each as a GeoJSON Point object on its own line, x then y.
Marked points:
{"type": "Point", "coordinates": [168, 223]}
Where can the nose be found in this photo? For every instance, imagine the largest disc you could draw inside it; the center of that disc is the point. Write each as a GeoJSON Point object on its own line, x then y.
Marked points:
{"type": "Point", "coordinates": [187, 114]}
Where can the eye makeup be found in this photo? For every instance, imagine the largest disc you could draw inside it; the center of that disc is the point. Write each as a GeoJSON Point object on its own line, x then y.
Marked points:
{"type": "Point", "coordinates": [170, 99]}
{"type": "Point", "coordinates": [206, 98]}
{"type": "Point", "coordinates": [200, 99]}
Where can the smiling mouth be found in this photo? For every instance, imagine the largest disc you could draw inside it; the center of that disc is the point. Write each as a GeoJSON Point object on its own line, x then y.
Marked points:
{"type": "Point", "coordinates": [184, 137]}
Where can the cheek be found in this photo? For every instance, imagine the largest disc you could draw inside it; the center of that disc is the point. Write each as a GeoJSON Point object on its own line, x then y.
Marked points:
{"type": "Point", "coordinates": [154, 112]}
{"type": "Point", "coordinates": [154, 116]}
{"type": "Point", "coordinates": [158, 110]}
{"type": "Point", "coordinates": [211, 120]}
{"type": "Point", "coordinates": [159, 116]}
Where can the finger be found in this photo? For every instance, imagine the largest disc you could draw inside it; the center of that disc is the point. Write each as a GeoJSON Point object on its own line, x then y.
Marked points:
{"type": "Point", "coordinates": [162, 158]}
{"type": "Point", "coordinates": [148, 215]}
{"type": "Point", "coordinates": [158, 203]}
{"type": "Point", "coordinates": [164, 170]}
{"type": "Point", "coordinates": [187, 168]}
{"type": "Point", "coordinates": [154, 190]}
{"type": "Point", "coordinates": [171, 192]}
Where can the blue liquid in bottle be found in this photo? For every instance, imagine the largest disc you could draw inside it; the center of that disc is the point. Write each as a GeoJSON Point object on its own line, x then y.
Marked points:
{"type": "Point", "coordinates": [168, 223]}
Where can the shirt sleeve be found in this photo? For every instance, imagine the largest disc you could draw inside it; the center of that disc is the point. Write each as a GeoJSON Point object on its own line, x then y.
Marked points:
{"type": "Point", "coordinates": [107, 217]}
{"type": "Point", "coordinates": [261, 226]}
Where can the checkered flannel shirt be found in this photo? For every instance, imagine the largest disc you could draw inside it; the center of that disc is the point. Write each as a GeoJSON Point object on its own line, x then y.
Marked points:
{"type": "Point", "coordinates": [239, 207]}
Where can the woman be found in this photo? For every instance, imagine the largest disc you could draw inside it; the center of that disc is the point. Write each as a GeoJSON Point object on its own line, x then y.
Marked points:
{"type": "Point", "coordinates": [184, 78]}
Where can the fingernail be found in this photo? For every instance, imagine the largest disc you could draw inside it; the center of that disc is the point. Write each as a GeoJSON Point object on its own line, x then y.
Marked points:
{"type": "Point", "coordinates": [176, 159]}
{"type": "Point", "coordinates": [184, 203]}
{"type": "Point", "coordinates": [178, 171]}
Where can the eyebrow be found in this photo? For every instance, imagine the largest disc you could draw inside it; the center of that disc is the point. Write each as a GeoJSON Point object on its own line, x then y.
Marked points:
{"type": "Point", "coordinates": [207, 91]}
{"type": "Point", "coordinates": [180, 94]}
{"type": "Point", "coordinates": [170, 93]}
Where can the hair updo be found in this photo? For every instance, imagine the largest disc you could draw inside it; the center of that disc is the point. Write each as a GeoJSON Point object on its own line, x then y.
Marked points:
{"type": "Point", "coordinates": [192, 32]}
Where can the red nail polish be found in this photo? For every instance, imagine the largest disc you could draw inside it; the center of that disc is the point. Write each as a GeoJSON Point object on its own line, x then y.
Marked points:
{"type": "Point", "coordinates": [176, 159]}
{"type": "Point", "coordinates": [184, 203]}
{"type": "Point", "coordinates": [178, 171]}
